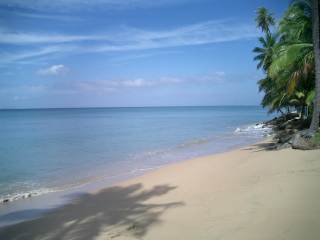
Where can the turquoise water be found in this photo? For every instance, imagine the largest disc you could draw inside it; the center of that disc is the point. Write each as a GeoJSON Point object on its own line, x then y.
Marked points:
{"type": "Point", "coordinates": [55, 149]}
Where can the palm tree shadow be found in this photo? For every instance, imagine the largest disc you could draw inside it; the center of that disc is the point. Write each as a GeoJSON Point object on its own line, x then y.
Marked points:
{"type": "Point", "coordinates": [115, 211]}
{"type": "Point", "coordinates": [265, 146]}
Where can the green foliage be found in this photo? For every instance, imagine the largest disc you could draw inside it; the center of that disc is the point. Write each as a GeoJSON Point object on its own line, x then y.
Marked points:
{"type": "Point", "coordinates": [310, 97]}
{"type": "Point", "coordinates": [316, 138]}
{"type": "Point", "coordinates": [264, 19]}
{"type": "Point", "coordinates": [265, 52]}
{"type": "Point", "coordinates": [287, 58]}
{"type": "Point", "coordinates": [295, 25]}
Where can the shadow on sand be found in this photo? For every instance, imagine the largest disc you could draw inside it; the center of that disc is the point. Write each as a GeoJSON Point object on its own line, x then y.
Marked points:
{"type": "Point", "coordinates": [265, 146]}
{"type": "Point", "coordinates": [115, 211]}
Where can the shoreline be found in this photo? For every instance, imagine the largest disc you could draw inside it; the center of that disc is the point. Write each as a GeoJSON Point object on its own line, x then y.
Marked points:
{"type": "Point", "coordinates": [55, 198]}
{"type": "Point", "coordinates": [108, 180]}
{"type": "Point", "coordinates": [122, 176]}
{"type": "Point", "coordinates": [190, 180]}
{"type": "Point", "coordinates": [55, 167]}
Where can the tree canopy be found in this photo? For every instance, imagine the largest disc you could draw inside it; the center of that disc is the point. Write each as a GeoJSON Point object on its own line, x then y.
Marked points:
{"type": "Point", "coordinates": [286, 55]}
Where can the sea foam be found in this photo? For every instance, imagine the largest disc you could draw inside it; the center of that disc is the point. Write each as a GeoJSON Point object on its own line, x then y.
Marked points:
{"type": "Point", "coordinates": [259, 130]}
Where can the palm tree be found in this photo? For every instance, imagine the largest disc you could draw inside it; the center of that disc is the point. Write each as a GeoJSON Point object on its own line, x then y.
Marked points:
{"type": "Point", "coordinates": [293, 60]}
{"type": "Point", "coordinates": [315, 36]}
{"type": "Point", "coordinates": [293, 64]}
{"type": "Point", "coordinates": [264, 20]}
{"type": "Point", "coordinates": [273, 97]}
{"type": "Point", "coordinates": [311, 8]}
{"type": "Point", "coordinates": [265, 52]}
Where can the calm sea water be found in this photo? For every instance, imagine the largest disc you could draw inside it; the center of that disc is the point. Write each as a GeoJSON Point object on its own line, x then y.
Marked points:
{"type": "Point", "coordinates": [54, 149]}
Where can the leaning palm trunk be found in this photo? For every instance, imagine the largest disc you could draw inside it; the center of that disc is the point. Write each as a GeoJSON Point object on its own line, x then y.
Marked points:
{"type": "Point", "coordinates": [315, 33]}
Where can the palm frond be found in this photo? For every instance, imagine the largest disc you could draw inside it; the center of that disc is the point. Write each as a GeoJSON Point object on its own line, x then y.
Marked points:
{"type": "Point", "coordinates": [288, 56]}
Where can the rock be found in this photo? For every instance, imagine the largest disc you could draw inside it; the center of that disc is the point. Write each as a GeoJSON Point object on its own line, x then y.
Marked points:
{"type": "Point", "coordinates": [283, 136]}
{"type": "Point", "coordinates": [288, 126]}
{"type": "Point", "coordinates": [271, 122]}
{"type": "Point", "coordinates": [6, 200]}
{"type": "Point", "coordinates": [283, 146]}
{"type": "Point", "coordinates": [131, 227]}
{"type": "Point", "coordinates": [302, 142]}
{"type": "Point", "coordinates": [281, 127]}
{"type": "Point", "coordinates": [290, 141]}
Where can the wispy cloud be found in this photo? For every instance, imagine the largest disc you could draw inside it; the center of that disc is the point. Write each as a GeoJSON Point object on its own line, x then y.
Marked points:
{"type": "Point", "coordinates": [63, 5]}
{"type": "Point", "coordinates": [114, 85]}
{"type": "Point", "coordinates": [196, 34]}
{"type": "Point", "coordinates": [4, 12]}
{"type": "Point", "coordinates": [130, 39]}
{"type": "Point", "coordinates": [13, 57]}
{"type": "Point", "coordinates": [118, 86]}
{"type": "Point", "coordinates": [33, 38]}
{"type": "Point", "coordinates": [135, 56]}
{"type": "Point", "coordinates": [25, 89]}
{"type": "Point", "coordinates": [53, 70]}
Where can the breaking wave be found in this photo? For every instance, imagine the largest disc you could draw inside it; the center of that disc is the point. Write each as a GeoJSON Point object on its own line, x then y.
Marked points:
{"type": "Point", "coordinates": [256, 130]}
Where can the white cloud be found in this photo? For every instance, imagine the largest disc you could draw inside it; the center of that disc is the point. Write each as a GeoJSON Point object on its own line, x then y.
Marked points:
{"type": "Point", "coordinates": [6, 57]}
{"type": "Point", "coordinates": [18, 98]}
{"type": "Point", "coordinates": [53, 70]}
{"type": "Point", "coordinates": [46, 16]}
{"type": "Point", "coordinates": [24, 89]}
{"type": "Point", "coordinates": [128, 39]}
{"type": "Point", "coordinates": [136, 55]}
{"type": "Point", "coordinates": [112, 85]}
{"type": "Point", "coordinates": [136, 83]}
{"type": "Point", "coordinates": [196, 34]}
{"type": "Point", "coordinates": [33, 38]}
{"type": "Point", "coordinates": [96, 86]}
{"type": "Point", "coordinates": [64, 6]}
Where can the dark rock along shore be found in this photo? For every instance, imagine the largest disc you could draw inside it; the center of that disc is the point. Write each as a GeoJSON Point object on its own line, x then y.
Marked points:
{"type": "Point", "coordinates": [291, 131]}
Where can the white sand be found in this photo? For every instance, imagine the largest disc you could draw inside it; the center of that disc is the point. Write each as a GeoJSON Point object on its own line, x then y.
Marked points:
{"type": "Point", "coordinates": [250, 193]}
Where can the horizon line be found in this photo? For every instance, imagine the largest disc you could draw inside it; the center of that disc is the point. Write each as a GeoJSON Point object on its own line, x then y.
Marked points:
{"type": "Point", "coordinates": [96, 107]}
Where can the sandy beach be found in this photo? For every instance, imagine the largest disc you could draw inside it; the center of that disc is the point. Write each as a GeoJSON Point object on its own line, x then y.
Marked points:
{"type": "Point", "coordinates": [159, 120]}
{"type": "Point", "coordinates": [249, 193]}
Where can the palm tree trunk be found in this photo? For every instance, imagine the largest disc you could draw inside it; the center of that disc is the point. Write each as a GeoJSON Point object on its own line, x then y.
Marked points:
{"type": "Point", "coordinates": [315, 33]}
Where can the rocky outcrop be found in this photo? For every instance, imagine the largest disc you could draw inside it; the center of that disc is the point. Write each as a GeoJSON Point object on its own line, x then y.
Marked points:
{"type": "Point", "coordinates": [303, 142]}
{"type": "Point", "coordinates": [290, 131]}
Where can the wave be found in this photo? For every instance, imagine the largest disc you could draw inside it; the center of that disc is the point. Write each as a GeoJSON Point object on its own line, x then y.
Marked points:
{"type": "Point", "coordinates": [256, 130]}
{"type": "Point", "coordinates": [24, 195]}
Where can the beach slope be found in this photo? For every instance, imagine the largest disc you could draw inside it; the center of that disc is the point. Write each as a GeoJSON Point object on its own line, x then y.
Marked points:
{"type": "Point", "coordinates": [249, 193]}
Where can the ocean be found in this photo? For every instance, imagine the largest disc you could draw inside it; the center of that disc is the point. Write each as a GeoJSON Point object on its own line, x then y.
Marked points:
{"type": "Point", "coordinates": [53, 150]}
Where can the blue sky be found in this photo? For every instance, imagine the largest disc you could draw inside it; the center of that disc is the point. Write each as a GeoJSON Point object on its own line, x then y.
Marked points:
{"type": "Point", "coordinates": [105, 53]}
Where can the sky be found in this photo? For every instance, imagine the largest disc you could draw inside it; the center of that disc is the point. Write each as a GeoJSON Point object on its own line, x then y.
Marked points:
{"type": "Point", "coordinates": [125, 53]}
